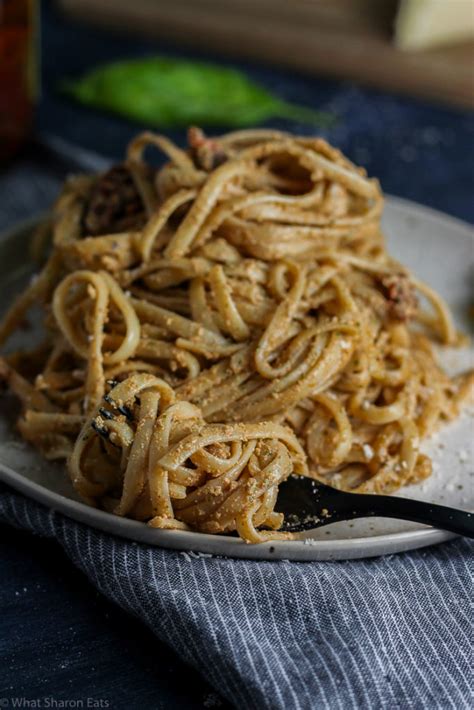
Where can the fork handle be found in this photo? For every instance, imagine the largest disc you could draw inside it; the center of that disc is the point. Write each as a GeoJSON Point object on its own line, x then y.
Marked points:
{"type": "Point", "coordinates": [439, 516]}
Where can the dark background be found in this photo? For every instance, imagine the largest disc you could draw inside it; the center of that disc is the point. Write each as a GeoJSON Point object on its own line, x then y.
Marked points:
{"type": "Point", "coordinates": [418, 150]}
{"type": "Point", "coordinates": [58, 637]}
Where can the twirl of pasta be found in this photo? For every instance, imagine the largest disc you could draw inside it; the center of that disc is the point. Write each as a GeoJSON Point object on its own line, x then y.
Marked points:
{"type": "Point", "coordinates": [150, 456]}
{"type": "Point", "coordinates": [225, 321]}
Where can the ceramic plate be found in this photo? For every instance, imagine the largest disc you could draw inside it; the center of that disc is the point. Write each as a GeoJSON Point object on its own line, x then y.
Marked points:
{"type": "Point", "coordinates": [440, 250]}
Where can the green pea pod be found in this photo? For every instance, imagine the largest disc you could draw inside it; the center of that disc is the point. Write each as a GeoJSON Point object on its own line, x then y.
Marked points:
{"type": "Point", "coordinates": [170, 93]}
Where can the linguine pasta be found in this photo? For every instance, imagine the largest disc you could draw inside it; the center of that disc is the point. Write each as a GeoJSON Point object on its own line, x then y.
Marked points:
{"type": "Point", "coordinates": [219, 324]}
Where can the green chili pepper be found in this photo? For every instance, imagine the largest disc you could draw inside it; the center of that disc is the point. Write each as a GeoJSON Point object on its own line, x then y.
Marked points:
{"type": "Point", "coordinates": [166, 92]}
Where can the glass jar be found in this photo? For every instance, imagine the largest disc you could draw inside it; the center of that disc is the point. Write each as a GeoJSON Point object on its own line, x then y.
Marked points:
{"type": "Point", "coordinates": [18, 73]}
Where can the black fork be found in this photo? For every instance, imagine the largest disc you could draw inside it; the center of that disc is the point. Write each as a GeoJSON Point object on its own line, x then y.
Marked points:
{"type": "Point", "coordinates": [308, 504]}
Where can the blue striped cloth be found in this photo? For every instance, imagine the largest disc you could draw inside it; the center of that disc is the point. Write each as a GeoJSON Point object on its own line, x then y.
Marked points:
{"type": "Point", "coordinates": [393, 632]}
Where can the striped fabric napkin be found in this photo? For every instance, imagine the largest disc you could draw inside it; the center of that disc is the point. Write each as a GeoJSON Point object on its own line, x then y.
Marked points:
{"type": "Point", "coordinates": [391, 632]}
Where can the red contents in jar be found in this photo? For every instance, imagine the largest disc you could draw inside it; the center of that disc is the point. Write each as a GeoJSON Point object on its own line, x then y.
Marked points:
{"type": "Point", "coordinates": [16, 74]}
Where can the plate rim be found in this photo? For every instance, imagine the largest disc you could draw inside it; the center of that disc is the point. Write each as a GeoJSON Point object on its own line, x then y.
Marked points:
{"type": "Point", "coordinates": [182, 541]}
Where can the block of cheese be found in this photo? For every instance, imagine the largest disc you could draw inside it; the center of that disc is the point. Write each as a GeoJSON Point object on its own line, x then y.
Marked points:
{"type": "Point", "coordinates": [422, 24]}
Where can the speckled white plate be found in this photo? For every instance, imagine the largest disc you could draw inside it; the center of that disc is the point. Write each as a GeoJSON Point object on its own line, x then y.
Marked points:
{"type": "Point", "coordinates": [440, 250]}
